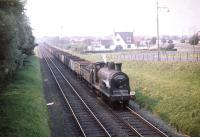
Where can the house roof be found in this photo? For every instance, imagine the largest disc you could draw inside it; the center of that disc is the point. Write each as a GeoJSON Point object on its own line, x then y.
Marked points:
{"type": "Point", "coordinates": [125, 36]}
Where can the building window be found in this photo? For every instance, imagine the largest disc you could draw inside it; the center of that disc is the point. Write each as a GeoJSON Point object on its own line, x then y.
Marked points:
{"type": "Point", "coordinates": [117, 39]}
{"type": "Point", "coordinates": [129, 46]}
{"type": "Point", "coordinates": [128, 39]}
{"type": "Point", "coordinates": [119, 48]}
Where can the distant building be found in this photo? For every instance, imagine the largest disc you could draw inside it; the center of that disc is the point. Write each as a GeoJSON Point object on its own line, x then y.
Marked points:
{"type": "Point", "coordinates": [100, 45]}
{"type": "Point", "coordinates": [119, 41]}
{"type": "Point", "coordinates": [124, 41]}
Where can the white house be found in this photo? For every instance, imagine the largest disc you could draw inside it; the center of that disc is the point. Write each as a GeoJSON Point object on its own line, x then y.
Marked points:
{"type": "Point", "coordinates": [124, 41]}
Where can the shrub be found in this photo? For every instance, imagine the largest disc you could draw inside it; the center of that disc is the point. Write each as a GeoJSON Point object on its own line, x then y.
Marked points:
{"type": "Point", "coordinates": [194, 40]}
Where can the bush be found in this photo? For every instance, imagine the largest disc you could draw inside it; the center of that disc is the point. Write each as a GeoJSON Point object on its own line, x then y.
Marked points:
{"type": "Point", "coordinates": [153, 41]}
{"type": "Point", "coordinates": [170, 46]}
{"type": "Point", "coordinates": [194, 40]}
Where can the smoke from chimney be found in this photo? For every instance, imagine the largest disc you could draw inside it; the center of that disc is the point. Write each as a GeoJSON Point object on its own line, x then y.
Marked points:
{"type": "Point", "coordinates": [104, 57]}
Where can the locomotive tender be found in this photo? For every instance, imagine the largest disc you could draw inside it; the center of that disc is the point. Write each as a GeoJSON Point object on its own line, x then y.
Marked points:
{"type": "Point", "coordinates": [106, 79]}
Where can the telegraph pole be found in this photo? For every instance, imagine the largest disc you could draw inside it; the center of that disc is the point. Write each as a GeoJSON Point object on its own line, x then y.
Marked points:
{"type": "Point", "coordinates": [158, 36]}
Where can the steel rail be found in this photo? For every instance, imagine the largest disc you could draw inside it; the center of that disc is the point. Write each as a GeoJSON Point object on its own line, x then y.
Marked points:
{"type": "Point", "coordinates": [123, 121]}
{"type": "Point", "coordinates": [127, 124]}
{"type": "Point", "coordinates": [65, 97]}
{"type": "Point", "coordinates": [147, 122]}
{"type": "Point", "coordinates": [101, 125]}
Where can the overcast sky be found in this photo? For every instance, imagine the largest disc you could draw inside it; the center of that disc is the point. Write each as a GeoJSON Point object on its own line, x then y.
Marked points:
{"type": "Point", "coordinates": [103, 17]}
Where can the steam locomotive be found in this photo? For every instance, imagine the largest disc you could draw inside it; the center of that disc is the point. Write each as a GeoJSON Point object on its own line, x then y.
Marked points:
{"type": "Point", "coordinates": [106, 79]}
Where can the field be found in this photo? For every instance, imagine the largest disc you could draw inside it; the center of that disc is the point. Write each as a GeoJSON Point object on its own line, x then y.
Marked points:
{"type": "Point", "coordinates": [23, 111]}
{"type": "Point", "coordinates": [169, 90]}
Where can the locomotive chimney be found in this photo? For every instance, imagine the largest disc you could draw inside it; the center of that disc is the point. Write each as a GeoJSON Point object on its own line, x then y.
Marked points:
{"type": "Point", "coordinates": [118, 66]}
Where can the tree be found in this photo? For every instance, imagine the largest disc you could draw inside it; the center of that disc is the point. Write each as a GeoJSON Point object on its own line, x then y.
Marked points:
{"type": "Point", "coordinates": [153, 41]}
{"type": "Point", "coordinates": [194, 40]}
{"type": "Point", "coordinates": [182, 40]}
{"type": "Point", "coordinates": [16, 39]}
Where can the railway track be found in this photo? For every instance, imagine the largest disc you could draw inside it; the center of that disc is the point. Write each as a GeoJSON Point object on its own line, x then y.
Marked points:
{"type": "Point", "coordinates": [104, 116]}
{"type": "Point", "coordinates": [141, 126]}
{"type": "Point", "coordinates": [85, 118]}
{"type": "Point", "coordinates": [129, 120]}
{"type": "Point", "coordinates": [136, 122]}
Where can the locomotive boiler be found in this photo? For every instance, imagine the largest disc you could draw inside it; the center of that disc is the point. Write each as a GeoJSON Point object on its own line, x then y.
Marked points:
{"type": "Point", "coordinates": [111, 82]}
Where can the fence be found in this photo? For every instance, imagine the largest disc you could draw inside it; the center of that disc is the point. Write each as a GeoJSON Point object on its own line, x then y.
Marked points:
{"type": "Point", "coordinates": [176, 57]}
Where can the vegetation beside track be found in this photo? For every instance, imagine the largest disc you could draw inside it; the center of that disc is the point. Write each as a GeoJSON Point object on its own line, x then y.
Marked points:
{"type": "Point", "coordinates": [170, 90]}
{"type": "Point", "coordinates": [16, 38]}
{"type": "Point", "coordinates": [23, 111]}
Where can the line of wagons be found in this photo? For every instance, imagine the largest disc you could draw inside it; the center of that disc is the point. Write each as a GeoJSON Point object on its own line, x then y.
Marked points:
{"type": "Point", "coordinates": [106, 79]}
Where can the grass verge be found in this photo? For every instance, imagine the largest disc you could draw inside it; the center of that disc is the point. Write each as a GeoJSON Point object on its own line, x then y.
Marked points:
{"type": "Point", "coordinates": [170, 90]}
{"type": "Point", "coordinates": [23, 112]}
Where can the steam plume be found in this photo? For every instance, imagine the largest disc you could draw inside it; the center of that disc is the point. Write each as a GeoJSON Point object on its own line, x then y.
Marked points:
{"type": "Point", "coordinates": [104, 57]}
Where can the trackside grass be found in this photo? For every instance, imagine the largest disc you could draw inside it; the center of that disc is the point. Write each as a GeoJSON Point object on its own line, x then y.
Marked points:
{"type": "Point", "coordinates": [23, 112]}
{"type": "Point", "coordinates": [170, 90]}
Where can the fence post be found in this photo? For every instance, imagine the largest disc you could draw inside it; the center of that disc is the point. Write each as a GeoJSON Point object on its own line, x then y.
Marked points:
{"type": "Point", "coordinates": [167, 56]}
{"type": "Point", "coordinates": [187, 56]}
{"type": "Point", "coordinates": [143, 57]}
{"type": "Point", "coordinates": [173, 57]}
{"type": "Point", "coordinates": [180, 56]}
{"type": "Point", "coordinates": [153, 57]}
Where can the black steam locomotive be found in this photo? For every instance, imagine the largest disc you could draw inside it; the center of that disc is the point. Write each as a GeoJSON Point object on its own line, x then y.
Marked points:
{"type": "Point", "coordinates": [106, 79]}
